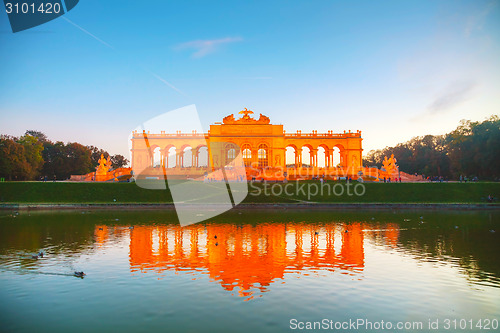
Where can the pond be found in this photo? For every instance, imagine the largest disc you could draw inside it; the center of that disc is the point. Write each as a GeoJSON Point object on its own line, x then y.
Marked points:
{"type": "Point", "coordinates": [250, 271]}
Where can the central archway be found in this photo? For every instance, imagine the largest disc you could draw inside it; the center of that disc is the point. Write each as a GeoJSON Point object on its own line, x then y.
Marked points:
{"type": "Point", "coordinates": [246, 150]}
{"type": "Point", "coordinates": [263, 155]}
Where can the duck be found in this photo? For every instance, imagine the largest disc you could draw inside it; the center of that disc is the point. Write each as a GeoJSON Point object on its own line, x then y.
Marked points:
{"type": "Point", "coordinates": [215, 236]}
{"type": "Point", "coordinates": [36, 256]}
{"type": "Point", "coordinates": [79, 274]}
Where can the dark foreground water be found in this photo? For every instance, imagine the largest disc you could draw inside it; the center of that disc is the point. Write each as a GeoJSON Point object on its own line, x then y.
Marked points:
{"type": "Point", "coordinates": [250, 271]}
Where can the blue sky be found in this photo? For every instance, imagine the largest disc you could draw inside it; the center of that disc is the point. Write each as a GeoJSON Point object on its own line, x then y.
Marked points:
{"type": "Point", "coordinates": [393, 69]}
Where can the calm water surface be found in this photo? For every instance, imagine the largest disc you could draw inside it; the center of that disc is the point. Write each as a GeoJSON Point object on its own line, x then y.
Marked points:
{"type": "Point", "coordinates": [246, 271]}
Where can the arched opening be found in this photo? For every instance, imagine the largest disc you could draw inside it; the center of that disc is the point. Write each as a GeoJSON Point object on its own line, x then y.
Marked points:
{"type": "Point", "coordinates": [290, 157]}
{"type": "Point", "coordinates": [230, 153]}
{"type": "Point", "coordinates": [187, 157]}
{"type": "Point", "coordinates": [306, 156]}
{"type": "Point", "coordinates": [246, 150]}
{"type": "Point", "coordinates": [156, 157]}
{"type": "Point", "coordinates": [202, 157]}
{"type": "Point", "coordinates": [171, 158]}
{"type": "Point", "coordinates": [263, 155]}
{"type": "Point", "coordinates": [322, 157]}
{"type": "Point", "coordinates": [336, 156]}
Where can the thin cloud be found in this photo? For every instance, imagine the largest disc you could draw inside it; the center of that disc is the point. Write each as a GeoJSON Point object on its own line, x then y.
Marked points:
{"type": "Point", "coordinates": [88, 33]}
{"type": "Point", "coordinates": [167, 83]}
{"type": "Point", "coordinates": [204, 47]}
{"type": "Point", "coordinates": [476, 21]}
{"type": "Point", "coordinates": [111, 47]}
{"type": "Point", "coordinates": [453, 95]}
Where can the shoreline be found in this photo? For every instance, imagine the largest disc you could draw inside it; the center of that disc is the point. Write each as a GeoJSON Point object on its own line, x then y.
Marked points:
{"type": "Point", "coordinates": [170, 206]}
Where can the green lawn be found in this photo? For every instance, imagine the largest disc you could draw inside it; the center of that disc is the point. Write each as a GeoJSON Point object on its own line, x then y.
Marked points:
{"type": "Point", "coordinates": [38, 192]}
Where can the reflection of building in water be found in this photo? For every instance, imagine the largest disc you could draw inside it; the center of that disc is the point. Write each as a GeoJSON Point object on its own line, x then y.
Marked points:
{"type": "Point", "coordinates": [250, 257]}
{"type": "Point", "coordinates": [104, 235]}
{"type": "Point", "coordinates": [101, 235]}
{"type": "Point", "coordinates": [392, 234]}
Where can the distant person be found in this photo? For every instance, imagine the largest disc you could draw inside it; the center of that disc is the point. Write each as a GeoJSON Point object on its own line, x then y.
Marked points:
{"type": "Point", "coordinates": [461, 178]}
{"type": "Point", "coordinates": [385, 181]}
{"type": "Point", "coordinates": [490, 198]}
{"type": "Point", "coordinates": [54, 178]}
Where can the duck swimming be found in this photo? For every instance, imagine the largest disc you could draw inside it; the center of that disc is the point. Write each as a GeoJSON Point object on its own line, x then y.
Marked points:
{"type": "Point", "coordinates": [79, 274]}
{"type": "Point", "coordinates": [36, 256]}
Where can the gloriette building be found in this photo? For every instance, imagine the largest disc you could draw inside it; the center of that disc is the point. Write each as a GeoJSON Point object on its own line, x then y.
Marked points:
{"type": "Point", "coordinates": [262, 145]}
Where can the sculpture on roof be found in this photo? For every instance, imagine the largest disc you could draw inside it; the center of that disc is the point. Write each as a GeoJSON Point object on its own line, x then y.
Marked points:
{"type": "Point", "coordinates": [246, 113]}
{"type": "Point", "coordinates": [246, 119]}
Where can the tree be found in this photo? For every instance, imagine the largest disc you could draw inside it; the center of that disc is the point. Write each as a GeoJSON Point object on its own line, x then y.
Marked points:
{"type": "Point", "coordinates": [33, 155]}
{"type": "Point", "coordinates": [79, 159]}
{"type": "Point", "coordinates": [96, 155]}
{"type": "Point", "coordinates": [63, 160]}
{"type": "Point", "coordinates": [37, 134]}
{"type": "Point", "coordinates": [118, 161]}
{"type": "Point", "coordinates": [13, 165]}
{"type": "Point", "coordinates": [472, 149]}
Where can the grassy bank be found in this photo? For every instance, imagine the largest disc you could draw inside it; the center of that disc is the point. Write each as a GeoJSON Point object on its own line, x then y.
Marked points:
{"type": "Point", "coordinates": [115, 193]}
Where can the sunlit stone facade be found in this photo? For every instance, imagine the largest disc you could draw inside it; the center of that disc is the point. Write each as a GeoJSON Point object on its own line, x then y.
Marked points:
{"type": "Point", "coordinates": [263, 146]}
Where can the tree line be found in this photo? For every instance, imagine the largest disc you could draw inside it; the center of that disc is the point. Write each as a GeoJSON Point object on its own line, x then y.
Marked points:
{"type": "Point", "coordinates": [33, 156]}
{"type": "Point", "coordinates": [471, 150]}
